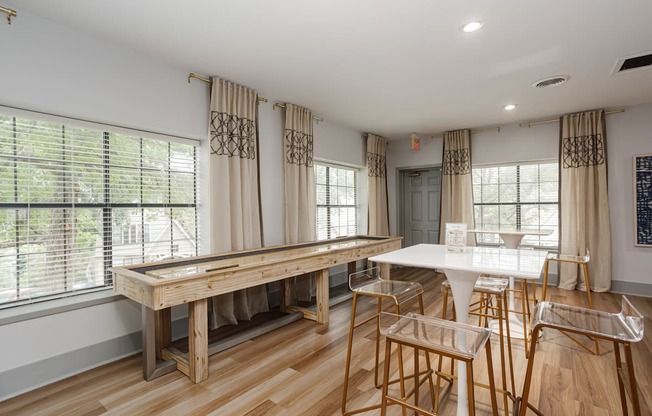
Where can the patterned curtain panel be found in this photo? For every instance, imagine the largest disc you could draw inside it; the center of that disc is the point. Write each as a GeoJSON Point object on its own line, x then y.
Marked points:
{"type": "Point", "coordinates": [583, 203]}
{"type": "Point", "coordinates": [377, 185]}
{"type": "Point", "coordinates": [300, 198]}
{"type": "Point", "coordinates": [456, 183]}
{"type": "Point", "coordinates": [234, 192]}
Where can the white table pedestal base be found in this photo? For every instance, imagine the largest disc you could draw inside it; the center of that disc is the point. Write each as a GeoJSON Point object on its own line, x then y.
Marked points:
{"type": "Point", "coordinates": [515, 326]}
{"type": "Point", "coordinates": [462, 283]}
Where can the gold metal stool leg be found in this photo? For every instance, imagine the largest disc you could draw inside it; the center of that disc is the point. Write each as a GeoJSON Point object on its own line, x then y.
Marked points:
{"type": "Point", "coordinates": [485, 311]}
{"type": "Point", "coordinates": [631, 379]}
{"type": "Point", "coordinates": [526, 315]}
{"type": "Point", "coordinates": [528, 373]}
{"type": "Point", "coordinates": [588, 297]}
{"type": "Point", "coordinates": [352, 327]}
{"type": "Point", "coordinates": [386, 398]}
{"type": "Point", "coordinates": [348, 352]}
{"type": "Point", "coordinates": [440, 359]}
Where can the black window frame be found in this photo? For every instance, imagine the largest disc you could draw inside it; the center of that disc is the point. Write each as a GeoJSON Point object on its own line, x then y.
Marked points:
{"type": "Point", "coordinates": [518, 204]}
{"type": "Point", "coordinates": [106, 206]}
{"type": "Point", "coordinates": [329, 207]}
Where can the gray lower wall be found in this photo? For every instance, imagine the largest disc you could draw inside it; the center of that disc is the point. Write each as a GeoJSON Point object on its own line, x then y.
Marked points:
{"type": "Point", "coordinates": [40, 373]}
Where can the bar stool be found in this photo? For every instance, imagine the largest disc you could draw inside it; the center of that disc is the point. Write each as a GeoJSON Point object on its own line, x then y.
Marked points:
{"type": "Point", "coordinates": [580, 261]}
{"type": "Point", "coordinates": [458, 341]}
{"type": "Point", "coordinates": [487, 287]}
{"type": "Point", "coordinates": [621, 328]}
{"type": "Point", "coordinates": [369, 283]}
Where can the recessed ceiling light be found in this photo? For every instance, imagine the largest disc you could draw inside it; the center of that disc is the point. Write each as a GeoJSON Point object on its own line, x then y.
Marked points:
{"type": "Point", "coordinates": [510, 107]}
{"type": "Point", "coordinates": [471, 26]}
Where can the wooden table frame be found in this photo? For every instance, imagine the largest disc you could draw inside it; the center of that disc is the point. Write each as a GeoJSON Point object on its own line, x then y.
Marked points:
{"type": "Point", "coordinates": [159, 286]}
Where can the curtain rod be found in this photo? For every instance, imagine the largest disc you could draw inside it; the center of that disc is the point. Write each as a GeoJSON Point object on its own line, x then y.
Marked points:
{"type": "Point", "coordinates": [282, 105]}
{"type": "Point", "coordinates": [497, 128]}
{"type": "Point", "coordinates": [556, 120]}
{"type": "Point", "coordinates": [208, 81]}
{"type": "Point", "coordinates": [432, 136]}
{"type": "Point", "coordinates": [10, 13]}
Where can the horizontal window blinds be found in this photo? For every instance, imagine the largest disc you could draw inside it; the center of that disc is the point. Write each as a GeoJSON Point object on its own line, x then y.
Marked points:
{"type": "Point", "coordinates": [517, 197]}
{"type": "Point", "coordinates": [336, 190]}
{"type": "Point", "coordinates": [76, 201]}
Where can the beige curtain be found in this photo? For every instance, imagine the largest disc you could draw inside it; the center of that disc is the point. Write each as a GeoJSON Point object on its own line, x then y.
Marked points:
{"type": "Point", "coordinates": [583, 202]}
{"type": "Point", "coordinates": [234, 191]}
{"type": "Point", "coordinates": [456, 183]}
{"type": "Point", "coordinates": [377, 185]}
{"type": "Point", "coordinates": [300, 199]}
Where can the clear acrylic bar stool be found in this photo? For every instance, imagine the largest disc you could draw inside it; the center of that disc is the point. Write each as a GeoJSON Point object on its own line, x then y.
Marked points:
{"type": "Point", "coordinates": [485, 310]}
{"type": "Point", "coordinates": [370, 283]}
{"type": "Point", "coordinates": [581, 261]}
{"type": "Point", "coordinates": [433, 335]}
{"type": "Point", "coordinates": [622, 328]}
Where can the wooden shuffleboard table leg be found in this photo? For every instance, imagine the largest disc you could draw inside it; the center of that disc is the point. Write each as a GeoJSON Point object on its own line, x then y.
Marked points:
{"type": "Point", "coordinates": [352, 267]}
{"type": "Point", "coordinates": [163, 330]}
{"type": "Point", "coordinates": [384, 270]}
{"type": "Point", "coordinates": [198, 340]}
{"type": "Point", "coordinates": [151, 368]}
{"type": "Point", "coordinates": [322, 296]}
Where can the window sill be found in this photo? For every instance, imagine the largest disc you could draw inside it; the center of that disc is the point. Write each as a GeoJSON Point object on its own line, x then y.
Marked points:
{"type": "Point", "coordinates": [52, 307]}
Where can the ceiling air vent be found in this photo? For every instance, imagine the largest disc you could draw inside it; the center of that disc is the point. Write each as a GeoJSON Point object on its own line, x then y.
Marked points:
{"type": "Point", "coordinates": [633, 63]}
{"type": "Point", "coordinates": [551, 81]}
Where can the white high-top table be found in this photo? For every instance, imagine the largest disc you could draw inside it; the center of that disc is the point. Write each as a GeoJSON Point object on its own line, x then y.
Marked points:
{"type": "Point", "coordinates": [462, 269]}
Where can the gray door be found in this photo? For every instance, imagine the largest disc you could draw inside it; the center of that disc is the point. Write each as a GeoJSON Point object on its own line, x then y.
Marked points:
{"type": "Point", "coordinates": [421, 192]}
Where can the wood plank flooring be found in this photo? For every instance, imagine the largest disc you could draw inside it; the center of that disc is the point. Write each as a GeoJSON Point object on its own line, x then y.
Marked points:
{"type": "Point", "coordinates": [299, 369]}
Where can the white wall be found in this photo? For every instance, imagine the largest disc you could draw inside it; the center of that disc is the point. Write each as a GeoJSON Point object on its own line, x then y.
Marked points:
{"type": "Point", "coordinates": [628, 134]}
{"type": "Point", "coordinates": [332, 142]}
{"type": "Point", "coordinates": [271, 173]}
{"type": "Point", "coordinates": [338, 143]}
{"type": "Point", "coordinates": [48, 68]}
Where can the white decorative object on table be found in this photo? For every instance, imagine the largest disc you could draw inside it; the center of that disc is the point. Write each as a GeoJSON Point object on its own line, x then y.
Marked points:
{"type": "Point", "coordinates": [455, 236]}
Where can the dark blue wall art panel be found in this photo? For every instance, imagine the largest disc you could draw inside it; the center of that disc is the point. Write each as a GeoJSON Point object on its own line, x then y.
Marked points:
{"type": "Point", "coordinates": [643, 196]}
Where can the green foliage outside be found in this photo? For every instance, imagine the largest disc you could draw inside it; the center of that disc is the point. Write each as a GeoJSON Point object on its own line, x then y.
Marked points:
{"type": "Point", "coordinates": [54, 244]}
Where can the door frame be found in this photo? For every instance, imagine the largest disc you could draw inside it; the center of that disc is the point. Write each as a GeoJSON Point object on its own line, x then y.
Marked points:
{"type": "Point", "coordinates": [400, 195]}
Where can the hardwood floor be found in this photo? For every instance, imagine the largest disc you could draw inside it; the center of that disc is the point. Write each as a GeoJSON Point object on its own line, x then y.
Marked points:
{"type": "Point", "coordinates": [299, 370]}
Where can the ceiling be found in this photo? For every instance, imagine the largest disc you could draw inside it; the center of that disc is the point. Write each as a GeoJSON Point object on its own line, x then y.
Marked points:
{"type": "Point", "coordinates": [389, 67]}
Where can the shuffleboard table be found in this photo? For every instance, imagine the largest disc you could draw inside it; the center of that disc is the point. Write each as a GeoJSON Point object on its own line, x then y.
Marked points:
{"type": "Point", "coordinates": [161, 285]}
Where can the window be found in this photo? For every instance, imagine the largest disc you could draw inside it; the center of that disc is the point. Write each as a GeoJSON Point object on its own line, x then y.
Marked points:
{"type": "Point", "coordinates": [76, 201]}
{"type": "Point", "coordinates": [517, 197]}
{"type": "Point", "coordinates": [132, 234]}
{"type": "Point", "coordinates": [337, 213]}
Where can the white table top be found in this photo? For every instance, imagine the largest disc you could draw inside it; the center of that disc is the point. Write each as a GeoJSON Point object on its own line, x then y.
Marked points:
{"type": "Point", "coordinates": [512, 232]}
{"type": "Point", "coordinates": [525, 264]}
